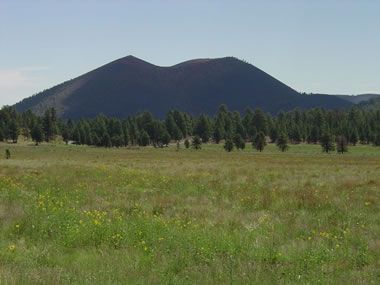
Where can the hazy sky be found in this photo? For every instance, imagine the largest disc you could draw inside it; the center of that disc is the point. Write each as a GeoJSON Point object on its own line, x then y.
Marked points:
{"type": "Point", "coordinates": [312, 46]}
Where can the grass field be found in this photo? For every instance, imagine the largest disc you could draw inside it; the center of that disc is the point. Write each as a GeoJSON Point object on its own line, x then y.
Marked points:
{"type": "Point", "coordinates": [75, 214]}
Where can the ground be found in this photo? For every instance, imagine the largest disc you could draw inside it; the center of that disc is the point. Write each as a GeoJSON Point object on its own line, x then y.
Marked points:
{"type": "Point", "coordinates": [85, 215]}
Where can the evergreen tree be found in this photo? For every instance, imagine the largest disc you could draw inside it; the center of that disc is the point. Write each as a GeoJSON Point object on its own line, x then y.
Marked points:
{"type": "Point", "coordinates": [247, 123]}
{"type": "Point", "coordinates": [259, 142]}
{"type": "Point", "coordinates": [218, 134]}
{"type": "Point", "coordinates": [144, 139]}
{"type": "Point", "coordinates": [95, 139]}
{"type": "Point", "coordinates": [77, 135]}
{"type": "Point", "coordinates": [37, 133]}
{"type": "Point", "coordinates": [196, 143]}
{"type": "Point", "coordinates": [187, 143]}
{"type": "Point", "coordinates": [202, 128]}
{"type": "Point", "coordinates": [65, 132]}
{"type": "Point", "coordinates": [327, 142]}
{"type": "Point", "coordinates": [49, 124]}
{"type": "Point", "coordinates": [296, 135]}
{"type": "Point", "coordinates": [239, 141]}
{"type": "Point", "coordinates": [253, 134]}
{"type": "Point", "coordinates": [341, 144]}
{"type": "Point", "coordinates": [172, 128]}
{"type": "Point", "coordinates": [228, 145]}
{"type": "Point", "coordinates": [282, 142]}
{"type": "Point", "coordinates": [259, 121]}
{"type": "Point", "coordinates": [117, 141]}
{"type": "Point", "coordinates": [238, 125]}
{"type": "Point", "coordinates": [126, 133]}
{"type": "Point", "coordinates": [165, 138]}
{"type": "Point", "coordinates": [1, 134]}
{"type": "Point", "coordinates": [354, 136]}
{"type": "Point", "coordinates": [182, 123]}
{"type": "Point", "coordinates": [106, 140]}
{"type": "Point", "coordinates": [376, 139]}
{"type": "Point", "coordinates": [13, 130]}
{"type": "Point", "coordinates": [273, 133]}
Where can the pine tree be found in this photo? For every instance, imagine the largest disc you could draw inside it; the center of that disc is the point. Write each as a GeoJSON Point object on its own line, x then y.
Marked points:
{"type": "Point", "coordinates": [282, 142]}
{"type": "Point", "coordinates": [259, 121]}
{"type": "Point", "coordinates": [117, 141]}
{"type": "Point", "coordinates": [295, 135]}
{"type": "Point", "coordinates": [273, 134]}
{"type": "Point", "coordinates": [95, 139]}
{"type": "Point", "coordinates": [259, 142]}
{"type": "Point", "coordinates": [49, 124]}
{"type": "Point", "coordinates": [65, 132]}
{"type": "Point", "coordinates": [14, 130]}
{"type": "Point", "coordinates": [172, 128]}
{"type": "Point", "coordinates": [228, 145]}
{"type": "Point", "coordinates": [165, 138]}
{"type": "Point", "coordinates": [239, 141]}
{"type": "Point", "coordinates": [7, 154]}
{"type": "Point", "coordinates": [106, 140]}
{"type": "Point", "coordinates": [1, 134]}
{"type": "Point", "coordinates": [327, 142]}
{"type": "Point", "coordinates": [376, 139]}
{"type": "Point", "coordinates": [144, 139]}
{"type": "Point", "coordinates": [196, 143]}
{"type": "Point", "coordinates": [187, 143]}
{"type": "Point", "coordinates": [341, 144]}
{"type": "Point", "coordinates": [354, 136]}
{"type": "Point", "coordinates": [218, 134]}
{"type": "Point", "coordinates": [37, 133]}
{"type": "Point", "coordinates": [203, 129]}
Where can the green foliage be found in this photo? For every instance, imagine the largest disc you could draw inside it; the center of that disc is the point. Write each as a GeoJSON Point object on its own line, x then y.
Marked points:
{"type": "Point", "coordinates": [327, 142]}
{"type": "Point", "coordinates": [203, 128]}
{"type": "Point", "coordinates": [117, 141]}
{"type": "Point", "coordinates": [376, 139]}
{"type": "Point", "coordinates": [50, 124]}
{"type": "Point", "coordinates": [282, 142]}
{"type": "Point", "coordinates": [239, 141]}
{"type": "Point", "coordinates": [37, 133]}
{"type": "Point", "coordinates": [341, 144]}
{"type": "Point", "coordinates": [187, 143]}
{"type": "Point", "coordinates": [356, 124]}
{"type": "Point", "coordinates": [354, 136]}
{"type": "Point", "coordinates": [144, 139]}
{"type": "Point", "coordinates": [106, 140]}
{"type": "Point", "coordinates": [196, 143]}
{"type": "Point", "coordinates": [228, 145]}
{"type": "Point", "coordinates": [259, 121]}
{"type": "Point", "coordinates": [7, 154]}
{"type": "Point", "coordinates": [259, 142]}
{"type": "Point", "coordinates": [14, 130]}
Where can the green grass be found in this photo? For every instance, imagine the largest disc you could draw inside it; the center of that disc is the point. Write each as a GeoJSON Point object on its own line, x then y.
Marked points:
{"type": "Point", "coordinates": [84, 215]}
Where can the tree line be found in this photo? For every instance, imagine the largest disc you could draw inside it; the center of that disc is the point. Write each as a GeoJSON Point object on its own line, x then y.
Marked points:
{"type": "Point", "coordinates": [329, 128]}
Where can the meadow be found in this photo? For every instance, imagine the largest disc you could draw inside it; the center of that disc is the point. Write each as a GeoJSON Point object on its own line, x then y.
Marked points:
{"type": "Point", "coordinates": [86, 215]}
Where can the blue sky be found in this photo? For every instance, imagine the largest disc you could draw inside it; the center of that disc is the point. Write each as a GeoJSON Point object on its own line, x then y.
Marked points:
{"type": "Point", "coordinates": [313, 46]}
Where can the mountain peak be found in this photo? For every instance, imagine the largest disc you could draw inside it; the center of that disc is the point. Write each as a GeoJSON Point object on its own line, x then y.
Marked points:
{"type": "Point", "coordinates": [130, 59]}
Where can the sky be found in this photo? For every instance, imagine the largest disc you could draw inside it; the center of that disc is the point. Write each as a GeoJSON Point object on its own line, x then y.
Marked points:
{"type": "Point", "coordinates": [313, 46]}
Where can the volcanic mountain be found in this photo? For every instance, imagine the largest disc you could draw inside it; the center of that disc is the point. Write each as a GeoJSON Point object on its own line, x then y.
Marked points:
{"type": "Point", "coordinates": [130, 85]}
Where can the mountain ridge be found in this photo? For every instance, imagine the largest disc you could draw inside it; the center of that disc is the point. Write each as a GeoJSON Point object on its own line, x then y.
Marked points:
{"type": "Point", "coordinates": [130, 85]}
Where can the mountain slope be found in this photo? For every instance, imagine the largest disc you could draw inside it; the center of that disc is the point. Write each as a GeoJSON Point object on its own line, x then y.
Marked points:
{"type": "Point", "coordinates": [356, 99]}
{"type": "Point", "coordinates": [130, 85]}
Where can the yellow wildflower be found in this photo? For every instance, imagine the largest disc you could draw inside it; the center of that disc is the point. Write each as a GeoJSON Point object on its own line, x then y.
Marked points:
{"type": "Point", "coordinates": [12, 247]}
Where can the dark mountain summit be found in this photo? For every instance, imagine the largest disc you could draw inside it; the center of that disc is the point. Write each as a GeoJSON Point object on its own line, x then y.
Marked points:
{"type": "Point", "coordinates": [130, 85]}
